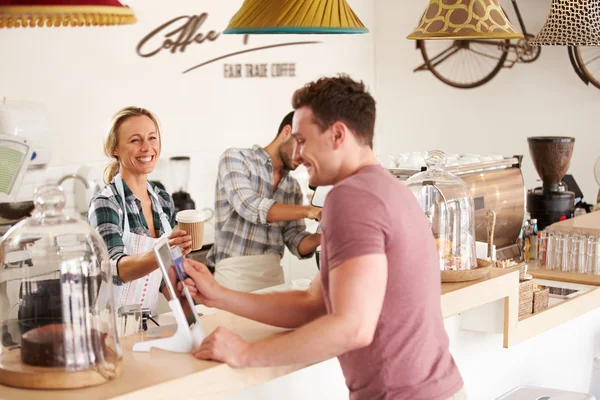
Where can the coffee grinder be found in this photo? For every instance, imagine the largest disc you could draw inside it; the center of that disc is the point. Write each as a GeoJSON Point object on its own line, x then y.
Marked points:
{"type": "Point", "coordinates": [180, 168]}
{"type": "Point", "coordinates": [551, 156]}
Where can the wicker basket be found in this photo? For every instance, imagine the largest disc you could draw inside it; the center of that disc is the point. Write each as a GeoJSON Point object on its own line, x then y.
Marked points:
{"type": "Point", "coordinates": [522, 268]}
{"type": "Point", "coordinates": [525, 298]}
{"type": "Point", "coordinates": [540, 300]}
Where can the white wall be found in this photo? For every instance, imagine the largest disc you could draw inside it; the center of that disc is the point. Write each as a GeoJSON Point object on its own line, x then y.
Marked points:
{"type": "Point", "coordinates": [84, 75]}
{"type": "Point", "coordinates": [418, 112]}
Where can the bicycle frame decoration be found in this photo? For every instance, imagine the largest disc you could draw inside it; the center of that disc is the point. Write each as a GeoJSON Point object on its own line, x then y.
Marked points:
{"type": "Point", "coordinates": [571, 23]}
{"type": "Point", "coordinates": [464, 20]}
{"type": "Point", "coordinates": [467, 64]}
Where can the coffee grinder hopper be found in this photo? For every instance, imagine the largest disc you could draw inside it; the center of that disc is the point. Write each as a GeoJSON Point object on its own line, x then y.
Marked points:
{"type": "Point", "coordinates": [551, 156]}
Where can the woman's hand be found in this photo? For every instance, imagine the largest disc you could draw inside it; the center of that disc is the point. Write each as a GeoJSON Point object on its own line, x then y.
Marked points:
{"type": "Point", "coordinates": [182, 240]}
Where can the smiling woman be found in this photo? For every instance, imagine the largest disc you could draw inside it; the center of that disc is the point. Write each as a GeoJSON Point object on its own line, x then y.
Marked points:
{"type": "Point", "coordinates": [130, 212]}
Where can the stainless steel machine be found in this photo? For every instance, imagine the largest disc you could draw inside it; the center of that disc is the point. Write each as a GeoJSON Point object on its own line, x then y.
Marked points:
{"type": "Point", "coordinates": [498, 186]}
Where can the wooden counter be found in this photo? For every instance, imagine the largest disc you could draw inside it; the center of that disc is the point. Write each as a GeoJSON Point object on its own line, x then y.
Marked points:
{"type": "Point", "coordinates": [159, 374]}
{"type": "Point", "coordinates": [588, 224]}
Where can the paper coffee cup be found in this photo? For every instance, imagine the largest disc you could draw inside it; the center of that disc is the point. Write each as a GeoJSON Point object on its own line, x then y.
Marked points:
{"type": "Point", "coordinates": [192, 221]}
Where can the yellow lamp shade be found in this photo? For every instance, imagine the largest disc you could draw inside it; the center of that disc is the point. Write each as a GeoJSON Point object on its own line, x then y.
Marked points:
{"type": "Point", "coordinates": [57, 13]}
{"type": "Point", "coordinates": [295, 16]}
{"type": "Point", "coordinates": [464, 20]}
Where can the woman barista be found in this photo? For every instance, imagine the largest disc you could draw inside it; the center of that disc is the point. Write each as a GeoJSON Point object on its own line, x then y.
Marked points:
{"type": "Point", "coordinates": [130, 212]}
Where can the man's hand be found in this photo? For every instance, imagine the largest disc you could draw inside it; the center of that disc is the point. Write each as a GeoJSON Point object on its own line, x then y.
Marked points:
{"type": "Point", "coordinates": [201, 284]}
{"type": "Point", "coordinates": [313, 213]}
{"type": "Point", "coordinates": [180, 296]}
{"type": "Point", "coordinates": [224, 346]}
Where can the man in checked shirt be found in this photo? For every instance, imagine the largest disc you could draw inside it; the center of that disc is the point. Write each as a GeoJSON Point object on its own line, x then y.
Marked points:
{"type": "Point", "coordinates": [259, 210]}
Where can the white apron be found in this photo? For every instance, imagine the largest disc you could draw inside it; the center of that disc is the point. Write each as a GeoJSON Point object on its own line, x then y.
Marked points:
{"type": "Point", "coordinates": [142, 291]}
{"type": "Point", "coordinates": [249, 273]}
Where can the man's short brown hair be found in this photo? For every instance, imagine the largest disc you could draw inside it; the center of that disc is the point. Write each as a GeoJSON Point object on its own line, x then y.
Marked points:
{"type": "Point", "coordinates": [340, 99]}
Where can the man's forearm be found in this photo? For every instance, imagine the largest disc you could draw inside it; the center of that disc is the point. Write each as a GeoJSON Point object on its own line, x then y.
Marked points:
{"type": "Point", "coordinates": [309, 244]}
{"type": "Point", "coordinates": [287, 212]}
{"type": "Point", "coordinates": [322, 339]}
{"type": "Point", "coordinates": [283, 309]}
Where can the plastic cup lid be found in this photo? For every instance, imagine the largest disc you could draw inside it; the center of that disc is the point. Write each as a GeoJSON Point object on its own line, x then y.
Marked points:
{"type": "Point", "coordinates": [191, 216]}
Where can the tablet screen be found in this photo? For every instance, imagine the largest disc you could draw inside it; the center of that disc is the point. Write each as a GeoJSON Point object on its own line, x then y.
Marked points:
{"type": "Point", "coordinates": [163, 256]}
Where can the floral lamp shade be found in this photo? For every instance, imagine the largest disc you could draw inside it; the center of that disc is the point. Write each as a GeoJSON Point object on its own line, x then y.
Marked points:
{"type": "Point", "coordinates": [63, 13]}
{"type": "Point", "coordinates": [464, 20]}
{"type": "Point", "coordinates": [296, 17]}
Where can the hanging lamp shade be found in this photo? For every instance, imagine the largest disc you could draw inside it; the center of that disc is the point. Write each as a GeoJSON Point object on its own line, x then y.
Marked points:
{"type": "Point", "coordinates": [464, 20]}
{"type": "Point", "coordinates": [571, 23]}
{"type": "Point", "coordinates": [295, 16]}
{"type": "Point", "coordinates": [56, 13]}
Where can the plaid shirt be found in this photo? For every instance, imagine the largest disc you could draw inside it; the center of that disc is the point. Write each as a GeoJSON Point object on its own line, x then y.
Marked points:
{"type": "Point", "coordinates": [106, 216]}
{"type": "Point", "coordinates": [244, 195]}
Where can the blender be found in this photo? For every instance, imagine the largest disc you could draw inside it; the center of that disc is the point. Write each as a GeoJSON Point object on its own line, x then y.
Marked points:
{"type": "Point", "coordinates": [551, 203]}
{"type": "Point", "coordinates": [180, 169]}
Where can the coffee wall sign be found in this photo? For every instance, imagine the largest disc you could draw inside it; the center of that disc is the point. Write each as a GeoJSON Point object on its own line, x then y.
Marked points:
{"type": "Point", "coordinates": [177, 34]}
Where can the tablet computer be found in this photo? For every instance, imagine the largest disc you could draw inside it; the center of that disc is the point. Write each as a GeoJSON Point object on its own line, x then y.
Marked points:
{"type": "Point", "coordinates": [164, 256]}
{"type": "Point", "coordinates": [319, 195]}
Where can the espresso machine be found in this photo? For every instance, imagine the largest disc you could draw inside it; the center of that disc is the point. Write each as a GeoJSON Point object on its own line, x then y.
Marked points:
{"type": "Point", "coordinates": [550, 203]}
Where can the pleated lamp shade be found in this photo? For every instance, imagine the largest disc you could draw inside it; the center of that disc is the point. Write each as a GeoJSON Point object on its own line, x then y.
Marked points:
{"type": "Point", "coordinates": [571, 23]}
{"type": "Point", "coordinates": [464, 20]}
{"type": "Point", "coordinates": [295, 16]}
{"type": "Point", "coordinates": [57, 13]}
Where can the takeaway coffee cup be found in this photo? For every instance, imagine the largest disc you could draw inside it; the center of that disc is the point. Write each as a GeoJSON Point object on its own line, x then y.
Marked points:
{"type": "Point", "coordinates": [192, 221]}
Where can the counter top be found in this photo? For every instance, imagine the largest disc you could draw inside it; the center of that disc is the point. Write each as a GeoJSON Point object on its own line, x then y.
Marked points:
{"type": "Point", "coordinates": [588, 224]}
{"type": "Point", "coordinates": [156, 375]}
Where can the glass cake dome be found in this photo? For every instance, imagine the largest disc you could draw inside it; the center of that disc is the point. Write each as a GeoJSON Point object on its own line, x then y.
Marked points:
{"type": "Point", "coordinates": [57, 318]}
{"type": "Point", "coordinates": [448, 206]}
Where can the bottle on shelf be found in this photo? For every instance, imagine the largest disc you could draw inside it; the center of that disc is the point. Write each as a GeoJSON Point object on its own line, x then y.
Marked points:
{"type": "Point", "coordinates": [533, 235]}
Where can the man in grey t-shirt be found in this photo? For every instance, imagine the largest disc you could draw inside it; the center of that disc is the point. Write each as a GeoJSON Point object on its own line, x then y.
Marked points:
{"type": "Point", "coordinates": [376, 302]}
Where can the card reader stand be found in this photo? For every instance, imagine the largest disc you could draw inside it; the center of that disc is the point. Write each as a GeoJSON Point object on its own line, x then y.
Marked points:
{"type": "Point", "coordinates": [185, 338]}
{"type": "Point", "coordinates": [183, 341]}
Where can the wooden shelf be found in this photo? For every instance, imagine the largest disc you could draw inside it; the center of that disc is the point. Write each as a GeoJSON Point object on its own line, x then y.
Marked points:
{"type": "Point", "coordinates": [538, 323]}
{"type": "Point", "coordinates": [502, 317]}
{"type": "Point", "coordinates": [561, 276]}
{"type": "Point", "coordinates": [463, 296]}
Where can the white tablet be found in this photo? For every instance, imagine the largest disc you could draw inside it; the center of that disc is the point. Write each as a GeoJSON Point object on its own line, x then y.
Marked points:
{"type": "Point", "coordinates": [318, 199]}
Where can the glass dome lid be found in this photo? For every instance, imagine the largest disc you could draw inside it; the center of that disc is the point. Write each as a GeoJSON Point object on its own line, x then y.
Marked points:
{"type": "Point", "coordinates": [447, 203]}
{"type": "Point", "coordinates": [57, 320]}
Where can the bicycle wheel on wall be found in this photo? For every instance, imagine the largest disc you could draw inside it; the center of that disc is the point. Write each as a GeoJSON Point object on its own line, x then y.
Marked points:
{"type": "Point", "coordinates": [464, 64]}
{"type": "Point", "coordinates": [588, 61]}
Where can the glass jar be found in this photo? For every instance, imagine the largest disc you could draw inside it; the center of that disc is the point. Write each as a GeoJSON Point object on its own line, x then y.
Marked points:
{"type": "Point", "coordinates": [448, 206]}
{"type": "Point", "coordinates": [57, 321]}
